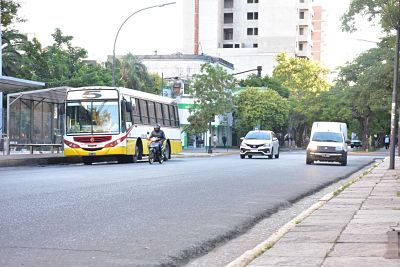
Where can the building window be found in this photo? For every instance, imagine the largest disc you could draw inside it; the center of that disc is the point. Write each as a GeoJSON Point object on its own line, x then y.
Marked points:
{"type": "Point", "coordinates": [227, 46]}
{"type": "Point", "coordinates": [301, 47]}
{"type": "Point", "coordinates": [301, 14]}
{"type": "Point", "coordinates": [301, 1]}
{"type": "Point", "coordinates": [237, 45]}
{"type": "Point", "coordinates": [228, 18]}
{"type": "Point", "coordinates": [252, 15]}
{"type": "Point", "coordinates": [228, 3]}
{"type": "Point", "coordinates": [255, 45]}
{"type": "Point", "coordinates": [301, 31]}
{"type": "Point", "coordinates": [252, 1]}
{"type": "Point", "coordinates": [252, 31]}
{"type": "Point", "coordinates": [228, 34]}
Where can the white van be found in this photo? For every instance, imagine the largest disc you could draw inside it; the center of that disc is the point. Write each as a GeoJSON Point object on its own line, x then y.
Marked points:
{"type": "Point", "coordinates": [328, 142]}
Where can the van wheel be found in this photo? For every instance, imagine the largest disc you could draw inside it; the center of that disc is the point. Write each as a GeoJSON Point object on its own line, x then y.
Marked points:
{"type": "Point", "coordinates": [344, 162]}
{"type": "Point", "coordinates": [309, 160]}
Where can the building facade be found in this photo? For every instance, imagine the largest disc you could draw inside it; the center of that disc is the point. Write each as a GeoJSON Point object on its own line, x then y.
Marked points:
{"type": "Point", "coordinates": [248, 33]}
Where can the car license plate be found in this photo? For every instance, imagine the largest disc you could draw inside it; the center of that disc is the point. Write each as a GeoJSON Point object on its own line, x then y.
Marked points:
{"type": "Point", "coordinates": [325, 155]}
{"type": "Point", "coordinates": [254, 150]}
{"type": "Point", "coordinates": [92, 153]}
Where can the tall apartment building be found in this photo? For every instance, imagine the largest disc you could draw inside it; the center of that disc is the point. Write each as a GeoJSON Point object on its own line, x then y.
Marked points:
{"type": "Point", "coordinates": [248, 33]}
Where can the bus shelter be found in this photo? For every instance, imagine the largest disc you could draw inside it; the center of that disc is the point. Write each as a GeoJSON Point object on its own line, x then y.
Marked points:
{"type": "Point", "coordinates": [35, 119]}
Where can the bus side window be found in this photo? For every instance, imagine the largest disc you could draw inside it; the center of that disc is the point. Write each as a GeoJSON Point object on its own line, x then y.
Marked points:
{"type": "Point", "coordinates": [143, 111]}
{"type": "Point", "coordinates": [135, 110]}
{"type": "Point", "coordinates": [167, 121]}
{"type": "Point", "coordinates": [172, 115]}
{"type": "Point", "coordinates": [127, 116]}
{"type": "Point", "coordinates": [176, 116]}
{"type": "Point", "coordinates": [159, 114]}
{"type": "Point", "coordinates": [152, 112]}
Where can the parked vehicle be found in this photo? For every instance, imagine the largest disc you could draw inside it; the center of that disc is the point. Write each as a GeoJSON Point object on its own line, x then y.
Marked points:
{"type": "Point", "coordinates": [355, 143]}
{"type": "Point", "coordinates": [156, 152]}
{"type": "Point", "coordinates": [328, 142]}
{"type": "Point", "coordinates": [259, 143]}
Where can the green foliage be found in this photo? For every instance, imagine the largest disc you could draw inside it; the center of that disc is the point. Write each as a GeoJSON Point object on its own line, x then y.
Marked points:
{"type": "Point", "coordinates": [60, 64]}
{"type": "Point", "coordinates": [213, 96]}
{"type": "Point", "coordinates": [254, 80]}
{"type": "Point", "coordinates": [386, 11]}
{"type": "Point", "coordinates": [365, 86]}
{"type": "Point", "coordinates": [264, 108]}
{"type": "Point", "coordinates": [9, 10]}
{"type": "Point", "coordinates": [306, 81]}
{"type": "Point", "coordinates": [133, 74]}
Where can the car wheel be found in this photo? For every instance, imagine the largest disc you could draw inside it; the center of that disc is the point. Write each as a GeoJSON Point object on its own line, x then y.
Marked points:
{"type": "Point", "coordinates": [309, 160]}
{"type": "Point", "coordinates": [352, 146]}
{"type": "Point", "coordinates": [277, 155]}
{"type": "Point", "coordinates": [242, 156]}
{"type": "Point", "coordinates": [272, 154]}
{"type": "Point", "coordinates": [250, 156]}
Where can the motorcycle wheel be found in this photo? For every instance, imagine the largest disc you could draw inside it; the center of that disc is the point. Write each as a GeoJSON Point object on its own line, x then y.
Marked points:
{"type": "Point", "coordinates": [151, 157]}
{"type": "Point", "coordinates": [161, 158]}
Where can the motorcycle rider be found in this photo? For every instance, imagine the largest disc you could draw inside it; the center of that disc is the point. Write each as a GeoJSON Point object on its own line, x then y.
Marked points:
{"type": "Point", "coordinates": [159, 134]}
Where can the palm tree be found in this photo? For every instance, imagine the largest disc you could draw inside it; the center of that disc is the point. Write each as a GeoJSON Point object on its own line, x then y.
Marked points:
{"type": "Point", "coordinates": [134, 73]}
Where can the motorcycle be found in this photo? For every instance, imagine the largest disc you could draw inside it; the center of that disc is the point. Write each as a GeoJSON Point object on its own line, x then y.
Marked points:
{"type": "Point", "coordinates": [156, 152]}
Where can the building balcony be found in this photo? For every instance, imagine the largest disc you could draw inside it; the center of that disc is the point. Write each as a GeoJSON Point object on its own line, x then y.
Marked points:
{"type": "Point", "coordinates": [305, 22]}
{"type": "Point", "coordinates": [305, 38]}
{"type": "Point", "coordinates": [304, 50]}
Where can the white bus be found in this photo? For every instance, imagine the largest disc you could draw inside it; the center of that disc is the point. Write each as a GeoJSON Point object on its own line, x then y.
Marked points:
{"type": "Point", "coordinates": [110, 122]}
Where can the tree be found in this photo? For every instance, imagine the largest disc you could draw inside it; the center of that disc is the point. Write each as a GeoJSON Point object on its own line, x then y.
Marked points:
{"type": "Point", "coordinates": [365, 85]}
{"type": "Point", "coordinates": [267, 82]}
{"type": "Point", "coordinates": [60, 64]}
{"type": "Point", "coordinates": [12, 42]}
{"type": "Point", "coordinates": [133, 73]}
{"type": "Point", "coordinates": [263, 108]}
{"type": "Point", "coordinates": [386, 11]}
{"type": "Point", "coordinates": [306, 80]}
{"type": "Point", "coordinates": [9, 10]}
{"type": "Point", "coordinates": [213, 96]}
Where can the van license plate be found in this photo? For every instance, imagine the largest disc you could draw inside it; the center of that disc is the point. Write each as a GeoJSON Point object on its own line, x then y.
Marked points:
{"type": "Point", "coordinates": [325, 155]}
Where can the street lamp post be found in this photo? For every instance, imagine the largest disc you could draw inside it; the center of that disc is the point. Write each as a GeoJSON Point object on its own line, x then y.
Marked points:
{"type": "Point", "coordinates": [116, 36]}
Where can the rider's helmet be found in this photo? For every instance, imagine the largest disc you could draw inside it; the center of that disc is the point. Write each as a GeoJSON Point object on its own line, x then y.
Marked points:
{"type": "Point", "coordinates": [157, 127]}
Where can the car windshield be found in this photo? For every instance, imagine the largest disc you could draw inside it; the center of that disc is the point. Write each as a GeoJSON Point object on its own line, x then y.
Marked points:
{"type": "Point", "coordinates": [327, 137]}
{"type": "Point", "coordinates": [92, 117]}
{"type": "Point", "coordinates": [258, 135]}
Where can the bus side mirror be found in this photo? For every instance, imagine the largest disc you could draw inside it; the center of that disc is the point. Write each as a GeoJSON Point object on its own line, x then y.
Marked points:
{"type": "Point", "coordinates": [128, 106]}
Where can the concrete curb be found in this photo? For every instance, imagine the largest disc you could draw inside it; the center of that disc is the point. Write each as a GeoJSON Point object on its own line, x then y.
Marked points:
{"type": "Point", "coordinates": [16, 162]}
{"type": "Point", "coordinates": [203, 155]}
{"type": "Point", "coordinates": [252, 254]}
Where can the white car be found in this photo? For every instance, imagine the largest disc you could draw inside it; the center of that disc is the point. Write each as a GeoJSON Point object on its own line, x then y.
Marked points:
{"type": "Point", "coordinates": [259, 143]}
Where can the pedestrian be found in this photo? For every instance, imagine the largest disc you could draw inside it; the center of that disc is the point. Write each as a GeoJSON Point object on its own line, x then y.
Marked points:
{"type": "Point", "coordinates": [215, 141]}
{"type": "Point", "coordinates": [387, 141]}
{"type": "Point", "coordinates": [224, 140]}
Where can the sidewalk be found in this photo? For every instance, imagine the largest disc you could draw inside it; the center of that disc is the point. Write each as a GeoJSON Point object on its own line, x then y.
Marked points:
{"type": "Point", "coordinates": [348, 228]}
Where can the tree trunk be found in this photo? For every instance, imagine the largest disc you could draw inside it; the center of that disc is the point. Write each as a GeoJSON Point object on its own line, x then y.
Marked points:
{"type": "Point", "coordinates": [365, 132]}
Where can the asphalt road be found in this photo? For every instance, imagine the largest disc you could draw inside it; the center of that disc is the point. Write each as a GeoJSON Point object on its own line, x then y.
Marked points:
{"type": "Point", "coordinates": [146, 215]}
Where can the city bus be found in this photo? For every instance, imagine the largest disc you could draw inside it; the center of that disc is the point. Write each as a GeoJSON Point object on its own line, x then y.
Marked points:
{"type": "Point", "coordinates": [109, 122]}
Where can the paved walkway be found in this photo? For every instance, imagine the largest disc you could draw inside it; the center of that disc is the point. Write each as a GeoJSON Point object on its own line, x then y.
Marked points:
{"type": "Point", "coordinates": [349, 230]}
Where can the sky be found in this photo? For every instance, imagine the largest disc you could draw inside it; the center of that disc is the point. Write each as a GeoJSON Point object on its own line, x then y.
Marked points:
{"type": "Point", "coordinates": [94, 24]}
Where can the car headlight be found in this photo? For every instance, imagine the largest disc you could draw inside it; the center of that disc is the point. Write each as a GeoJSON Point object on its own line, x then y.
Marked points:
{"type": "Point", "coordinates": [339, 148]}
{"type": "Point", "coordinates": [244, 145]}
{"type": "Point", "coordinates": [266, 145]}
{"type": "Point", "coordinates": [312, 147]}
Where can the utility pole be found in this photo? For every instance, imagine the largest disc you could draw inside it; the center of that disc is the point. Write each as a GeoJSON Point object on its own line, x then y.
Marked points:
{"type": "Point", "coordinates": [393, 119]}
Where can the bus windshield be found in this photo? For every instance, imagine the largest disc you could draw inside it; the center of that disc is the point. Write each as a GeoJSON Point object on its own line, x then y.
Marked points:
{"type": "Point", "coordinates": [92, 117]}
